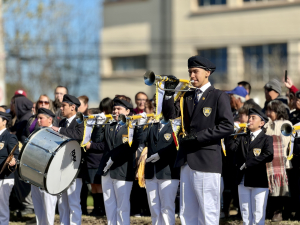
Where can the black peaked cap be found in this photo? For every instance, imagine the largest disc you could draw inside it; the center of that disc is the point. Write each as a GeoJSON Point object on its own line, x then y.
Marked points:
{"type": "Point", "coordinates": [254, 111]}
{"type": "Point", "coordinates": [123, 103]}
{"type": "Point", "coordinates": [5, 116]}
{"type": "Point", "coordinates": [71, 99]}
{"type": "Point", "coordinates": [201, 62]}
{"type": "Point", "coordinates": [46, 112]}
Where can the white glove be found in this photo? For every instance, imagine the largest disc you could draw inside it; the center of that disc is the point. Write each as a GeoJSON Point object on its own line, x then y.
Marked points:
{"type": "Point", "coordinates": [101, 118]}
{"type": "Point", "coordinates": [153, 158]}
{"type": "Point", "coordinates": [144, 119]}
{"type": "Point", "coordinates": [243, 166]}
{"type": "Point", "coordinates": [108, 165]}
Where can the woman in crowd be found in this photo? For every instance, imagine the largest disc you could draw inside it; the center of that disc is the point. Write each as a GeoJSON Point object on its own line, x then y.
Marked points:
{"type": "Point", "coordinates": [277, 176]}
{"type": "Point", "coordinates": [83, 108]}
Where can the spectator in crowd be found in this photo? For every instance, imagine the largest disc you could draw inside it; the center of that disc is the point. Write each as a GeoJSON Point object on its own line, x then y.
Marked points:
{"type": "Point", "coordinates": [295, 116]}
{"type": "Point", "coordinates": [149, 107]}
{"type": "Point", "coordinates": [291, 98]}
{"type": "Point", "coordinates": [21, 92]}
{"type": "Point", "coordinates": [83, 108]}
{"type": "Point", "coordinates": [140, 101]}
{"type": "Point", "coordinates": [237, 100]}
{"type": "Point", "coordinates": [59, 93]}
{"type": "Point", "coordinates": [243, 114]}
{"type": "Point", "coordinates": [272, 92]}
{"type": "Point", "coordinates": [32, 124]}
{"type": "Point", "coordinates": [290, 85]}
{"type": "Point", "coordinates": [277, 175]}
{"type": "Point", "coordinates": [21, 108]}
{"type": "Point", "coordinates": [106, 106]}
{"type": "Point", "coordinates": [249, 101]}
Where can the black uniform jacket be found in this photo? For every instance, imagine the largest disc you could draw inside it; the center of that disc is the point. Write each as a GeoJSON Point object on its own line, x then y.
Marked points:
{"type": "Point", "coordinates": [116, 147]}
{"type": "Point", "coordinates": [74, 130]}
{"type": "Point", "coordinates": [210, 127]}
{"type": "Point", "coordinates": [7, 143]}
{"type": "Point", "coordinates": [295, 117]}
{"type": "Point", "coordinates": [162, 143]}
{"type": "Point", "coordinates": [256, 171]}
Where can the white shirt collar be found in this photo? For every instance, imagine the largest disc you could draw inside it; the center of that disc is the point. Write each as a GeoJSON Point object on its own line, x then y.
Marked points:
{"type": "Point", "coordinates": [1, 131]}
{"type": "Point", "coordinates": [204, 87]}
{"type": "Point", "coordinates": [256, 133]}
{"type": "Point", "coordinates": [71, 119]}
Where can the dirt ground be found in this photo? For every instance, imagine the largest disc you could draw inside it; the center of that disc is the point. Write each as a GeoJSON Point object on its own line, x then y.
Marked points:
{"type": "Point", "coordinates": [89, 220]}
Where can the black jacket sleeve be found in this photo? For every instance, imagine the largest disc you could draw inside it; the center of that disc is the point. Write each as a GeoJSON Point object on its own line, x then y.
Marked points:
{"type": "Point", "coordinates": [170, 109]}
{"type": "Point", "coordinates": [75, 133]}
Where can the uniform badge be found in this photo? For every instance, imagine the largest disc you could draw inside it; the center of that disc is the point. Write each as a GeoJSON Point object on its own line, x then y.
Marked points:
{"type": "Point", "coordinates": [203, 98]}
{"type": "Point", "coordinates": [167, 136]}
{"type": "Point", "coordinates": [207, 111]}
{"type": "Point", "coordinates": [256, 151]}
{"type": "Point", "coordinates": [124, 138]}
{"type": "Point", "coordinates": [190, 98]}
{"type": "Point", "coordinates": [1, 145]}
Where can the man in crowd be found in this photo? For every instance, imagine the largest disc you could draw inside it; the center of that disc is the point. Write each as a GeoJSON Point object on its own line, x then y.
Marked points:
{"type": "Point", "coordinates": [237, 100]}
{"type": "Point", "coordinates": [59, 93]}
{"type": "Point", "coordinates": [250, 103]}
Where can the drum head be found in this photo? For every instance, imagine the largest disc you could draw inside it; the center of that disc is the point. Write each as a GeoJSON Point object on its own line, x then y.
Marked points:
{"type": "Point", "coordinates": [63, 167]}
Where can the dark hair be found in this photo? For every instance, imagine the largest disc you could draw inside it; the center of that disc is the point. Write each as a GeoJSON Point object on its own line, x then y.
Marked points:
{"type": "Point", "coordinates": [143, 93]}
{"type": "Point", "coordinates": [124, 97]}
{"type": "Point", "coordinates": [94, 111]}
{"type": "Point", "coordinates": [106, 105]}
{"type": "Point", "coordinates": [84, 98]}
{"type": "Point", "coordinates": [59, 86]}
{"type": "Point", "coordinates": [246, 85]}
{"type": "Point", "coordinates": [76, 107]}
{"type": "Point", "coordinates": [4, 107]}
{"type": "Point", "coordinates": [279, 108]}
{"type": "Point", "coordinates": [243, 110]}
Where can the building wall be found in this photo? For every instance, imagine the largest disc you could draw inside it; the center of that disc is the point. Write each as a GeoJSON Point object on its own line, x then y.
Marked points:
{"type": "Point", "coordinates": [2, 62]}
{"type": "Point", "coordinates": [170, 33]}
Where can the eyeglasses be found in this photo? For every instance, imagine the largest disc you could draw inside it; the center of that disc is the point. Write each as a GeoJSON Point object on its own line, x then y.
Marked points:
{"type": "Point", "coordinates": [45, 102]}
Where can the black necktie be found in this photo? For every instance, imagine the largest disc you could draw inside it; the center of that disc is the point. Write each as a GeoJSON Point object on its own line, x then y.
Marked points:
{"type": "Point", "coordinates": [252, 137]}
{"type": "Point", "coordinates": [117, 129]}
{"type": "Point", "coordinates": [197, 92]}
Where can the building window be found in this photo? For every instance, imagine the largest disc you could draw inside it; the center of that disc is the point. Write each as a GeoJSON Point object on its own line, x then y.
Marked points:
{"type": "Point", "coordinates": [263, 62]}
{"type": "Point", "coordinates": [211, 2]}
{"type": "Point", "coordinates": [129, 63]}
{"type": "Point", "coordinates": [217, 56]}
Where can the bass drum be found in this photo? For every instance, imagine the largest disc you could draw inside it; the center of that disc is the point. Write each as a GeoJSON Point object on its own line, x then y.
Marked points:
{"type": "Point", "coordinates": [50, 161]}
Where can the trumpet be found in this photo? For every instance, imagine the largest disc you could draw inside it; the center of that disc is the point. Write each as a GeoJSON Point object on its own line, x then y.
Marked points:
{"type": "Point", "coordinates": [241, 129]}
{"type": "Point", "coordinates": [127, 119]}
{"type": "Point", "coordinates": [287, 129]}
{"type": "Point", "coordinates": [150, 78]}
{"type": "Point", "coordinates": [80, 118]}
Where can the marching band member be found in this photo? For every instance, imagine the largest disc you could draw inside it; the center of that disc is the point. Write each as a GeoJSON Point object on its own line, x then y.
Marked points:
{"type": "Point", "coordinates": [207, 119]}
{"type": "Point", "coordinates": [162, 179]}
{"type": "Point", "coordinates": [253, 151]}
{"type": "Point", "coordinates": [69, 202]}
{"type": "Point", "coordinates": [44, 203]}
{"type": "Point", "coordinates": [7, 143]}
{"type": "Point", "coordinates": [116, 166]}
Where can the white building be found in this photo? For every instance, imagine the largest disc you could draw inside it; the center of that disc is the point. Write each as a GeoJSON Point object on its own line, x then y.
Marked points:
{"type": "Point", "coordinates": [247, 40]}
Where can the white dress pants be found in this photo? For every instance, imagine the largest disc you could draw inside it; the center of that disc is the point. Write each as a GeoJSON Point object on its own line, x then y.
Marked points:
{"type": "Point", "coordinates": [69, 204]}
{"type": "Point", "coordinates": [199, 197]}
{"type": "Point", "coordinates": [253, 203]}
{"type": "Point", "coordinates": [116, 194]}
{"type": "Point", "coordinates": [44, 206]}
{"type": "Point", "coordinates": [6, 186]}
{"type": "Point", "coordinates": [161, 199]}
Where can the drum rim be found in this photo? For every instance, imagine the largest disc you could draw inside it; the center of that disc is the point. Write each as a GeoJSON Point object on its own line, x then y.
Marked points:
{"type": "Point", "coordinates": [50, 160]}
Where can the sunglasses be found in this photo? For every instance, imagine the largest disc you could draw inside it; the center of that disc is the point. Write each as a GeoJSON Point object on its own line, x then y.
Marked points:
{"type": "Point", "coordinates": [45, 102]}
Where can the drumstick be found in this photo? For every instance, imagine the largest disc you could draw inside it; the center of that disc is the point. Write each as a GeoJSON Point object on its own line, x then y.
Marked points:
{"type": "Point", "coordinates": [9, 158]}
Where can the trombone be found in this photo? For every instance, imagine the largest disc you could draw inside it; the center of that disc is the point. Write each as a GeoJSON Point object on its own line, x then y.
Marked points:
{"type": "Point", "coordinates": [150, 78]}
{"type": "Point", "coordinates": [129, 119]}
{"type": "Point", "coordinates": [288, 130]}
{"type": "Point", "coordinates": [80, 118]}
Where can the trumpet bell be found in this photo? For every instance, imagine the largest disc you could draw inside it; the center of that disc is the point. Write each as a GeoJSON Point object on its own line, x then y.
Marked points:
{"type": "Point", "coordinates": [79, 117]}
{"type": "Point", "coordinates": [122, 119]}
{"type": "Point", "coordinates": [149, 77]}
{"type": "Point", "coordinates": [286, 129]}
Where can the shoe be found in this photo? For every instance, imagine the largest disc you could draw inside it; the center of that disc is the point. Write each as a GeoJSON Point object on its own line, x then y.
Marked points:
{"type": "Point", "coordinates": [26, 211]}
{"type": "Point", "coordinates": [277, 216]}
{"type": "Point", "coordinates": [31, 222]}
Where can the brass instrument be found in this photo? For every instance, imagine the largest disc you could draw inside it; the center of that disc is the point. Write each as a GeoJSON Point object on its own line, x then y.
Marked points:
{"type": "Point", "coordinates": [288, 130]}
{"type": "Point", "coordinates": [241, 129]}
{"type": "Point", "coordinates": [80, 118]}
{"type": "Point", "coordinates": [150, 78]}
{"type": "Point", "coordinates": [128, 119]}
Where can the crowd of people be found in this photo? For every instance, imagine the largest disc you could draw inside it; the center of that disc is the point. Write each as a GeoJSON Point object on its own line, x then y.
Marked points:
{"type": "Point", "coordinates": [263, 184]}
